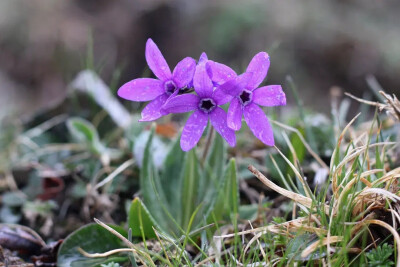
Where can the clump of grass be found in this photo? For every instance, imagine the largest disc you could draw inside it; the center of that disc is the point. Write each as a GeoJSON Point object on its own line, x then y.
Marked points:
{"type": "Point", "coordinates": [357, 209]}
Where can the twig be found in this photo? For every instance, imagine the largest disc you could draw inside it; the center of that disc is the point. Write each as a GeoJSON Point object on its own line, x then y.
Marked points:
{"type": "Point", "coordinates": [120, 169]}
{"type": "Point", "coordinates": [305, 201]}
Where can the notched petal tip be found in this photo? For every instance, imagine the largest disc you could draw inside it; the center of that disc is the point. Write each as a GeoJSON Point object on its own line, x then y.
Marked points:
{"type": "Point", "coordinates": [262, 54]}
{"type": "Point", "coordinates": [193, 130]}
{"type": "Point", "coordinates": [269, 96]}
{"type": "Point", "coordinates": [185, 146]}
{"type": "Point", "coordinates": [234, 117]}
{"type": "Point", "coordinates": [234, 126]}
{"type": "Point", "coordinates": [259, 124]}
{"type": "Point", "coordinates": [219, 122]}
{"type": "Point", "coordinates": [203, 57]}
{"type": "Point", "coordinates": [152, 111]}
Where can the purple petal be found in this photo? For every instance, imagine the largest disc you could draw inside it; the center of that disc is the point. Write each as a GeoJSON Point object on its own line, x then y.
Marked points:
{"type": "Point", "coordinates": [220, 97]}
{"type": "Point", "coordinates": [219, 73]}
{"type": "Point", "coordinates": [259, 66]}
{"type": "Point", "coordinates": [157, 62]}
{"type": "Point", "coordinates": [184, 71]}
{"type": "Point", "coordinates": [259, 124]}
{"type": "Point", "coordinates": [218, 120]}
{"type": "Point", "coordinates": [193, 130]}
{"type": "Point", "coordinates": [203, 58]}
{"type": "Point", "coordinates": [234, 118]}
{"type": "Point", "coordinates": [271, 95]}
{"type": "Point", "coordinates": [153, 110]}
{"type": "Point", "coordinates": [181, 103]}
{"type": "Point", "coordinates": [235, 86]}
{"type": "Point", "coordinates": [143, 89]}
{"type": "Point", "coordinates": [202, 82]}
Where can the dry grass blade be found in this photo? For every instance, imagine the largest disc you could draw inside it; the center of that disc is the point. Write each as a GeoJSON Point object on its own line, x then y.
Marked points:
{"type": "Point", "coordinates": [305, 201]}
{"type": "Point", "coordinates": [308, 147]}
{"type": "Point", "coordinates": [114, 174]}
{"type": "Point", "coordinates": [325, 241]}
{"type": "Point", "coordinates": [297, 226]}
{"type": "Point", "coordinates": [105, 254]}
{"type": "Point", "coordinates": [126, 241]}
{"type": "Point", "coordinates": [348, 158]}
{"type": "Point", "coordinates": [297, 173]}
{"type": "Point", "coordinates": [299, 223]}
{"type": "Point", "coordinates": [332, 165]}
{"type": "Point", "coordinates": [135, 251]}
{"type": "Point", "coordinates": [371, 103]}
{"type": "Point", "coordinates": [392, 175]}
{"type": "Point", "coordinates": [392, 105]}
{"type": "Point", "coordinates": [373, 192]}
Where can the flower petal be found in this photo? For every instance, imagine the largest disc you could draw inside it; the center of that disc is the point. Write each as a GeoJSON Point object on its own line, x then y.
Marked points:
{"type": "Point", "coordinates": [234, 118]}
{"type": "Point", "coordinates": [219, 73]}
{"type": "Point", "coordinates": [202, 82]}
{"type": "Point", "coordinates": [143, 89]}
{"type": "Point", "coordinates": [259, 124]}
{"type": "Point", "coordinates": [218, 120]}
{"type": "Point", "coordinates": [153, 110]}
{"type": "Point", "coordinates": [259, 66]}
{"type": "Point", "coordinates": [235, 86]}
{"type": "Point", "coordinates": [181, 103]}
{"type": "Point", "coordinates": [157, 62]}
{"type": "Point", "coordinates": [271, 95]}
{"type": "Point", "coordinates": [193, 130]}
{"type": "Point", "coordinates": [184, 71]}
{"type": "Point", "coordinates": [220, 97]}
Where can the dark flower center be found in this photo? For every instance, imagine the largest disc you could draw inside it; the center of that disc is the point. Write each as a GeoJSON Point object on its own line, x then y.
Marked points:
{"type": "Point", "coordinates": [169, 87]}
{"type": "Point", "coordinates": [245, 97]}
{"type": "Point", "coordinates": [207, 105]}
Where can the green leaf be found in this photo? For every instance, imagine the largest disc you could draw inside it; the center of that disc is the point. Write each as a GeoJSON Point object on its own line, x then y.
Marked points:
{"type": "Point", "coordinates": [190, 186]}
{"type": "Point", "coordinates": [228, 198]}
{"type": "Point", "coordinates": [248, 212]}
{"type": "Point", "coordinates": [84, 131]}
{"type": "Point", "coordinates": [171, 178]}
{"type": "Point", "coordinates": [91, 238]}
{"type": "Point", "coordinates": [298, 146]}
{"type": "Point", "coordinates": [140, 220]}
{"type": "Point", "coordinates": [149, 182]}
{"type": "Point", "coordinates": [215, 162]}
{"type": "Point", "coordinates": [380, 256]}
{"type": "Point", "coordinates": [213, 175]}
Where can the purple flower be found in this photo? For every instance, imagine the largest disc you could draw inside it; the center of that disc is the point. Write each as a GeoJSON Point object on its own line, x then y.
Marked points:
{"type": "Point", "coordinates": [246, 96]}
{"type": "Point", "coordinates": [158, 90]}
{"type": "Point", "coordinates": [205, 106]}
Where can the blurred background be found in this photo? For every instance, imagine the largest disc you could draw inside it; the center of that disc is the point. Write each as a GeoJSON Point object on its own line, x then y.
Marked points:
{"type": "Point", "coordinates": [321, 44]}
